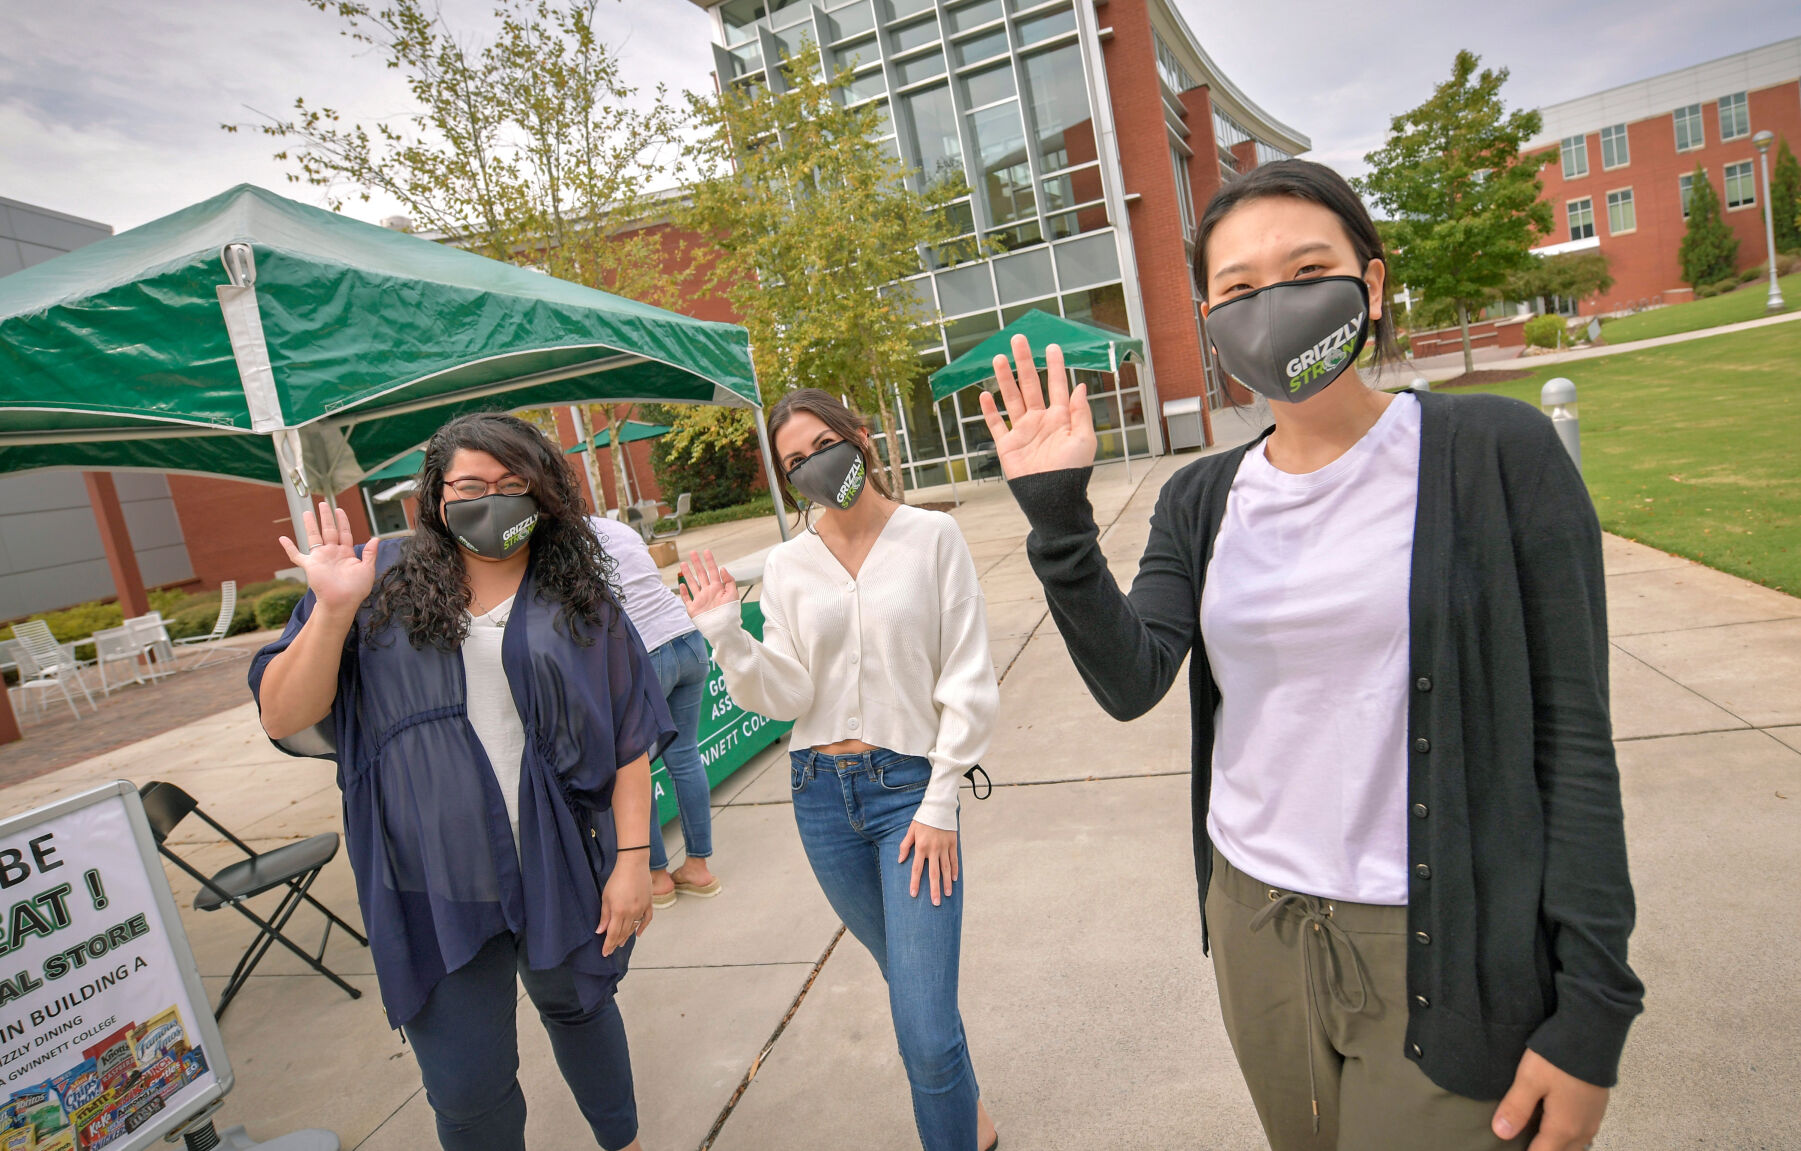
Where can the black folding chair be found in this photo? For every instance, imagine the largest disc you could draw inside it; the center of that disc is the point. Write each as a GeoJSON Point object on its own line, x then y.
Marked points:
{"type": "Point", "coordinates": [293, 865]}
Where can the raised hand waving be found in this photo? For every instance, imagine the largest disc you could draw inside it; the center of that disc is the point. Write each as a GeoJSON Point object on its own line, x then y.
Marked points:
{"type": "Point", "coordinates": [336, 575]}
{"type": "Point", "coordinates": [1047, 434]}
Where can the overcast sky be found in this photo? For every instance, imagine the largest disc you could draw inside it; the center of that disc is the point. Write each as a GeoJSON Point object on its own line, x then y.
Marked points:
{"type": "Point", "coordinates": [110, 109]}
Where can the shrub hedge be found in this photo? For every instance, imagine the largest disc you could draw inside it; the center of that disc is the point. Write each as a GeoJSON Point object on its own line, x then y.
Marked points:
{"type": "Point", "coordinates": [1546, 331]}
{"type": "Point", "coordinates": [274, 607]}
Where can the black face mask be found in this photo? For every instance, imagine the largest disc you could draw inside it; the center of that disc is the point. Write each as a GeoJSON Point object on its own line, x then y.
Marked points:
{"type": "Point", "coordinates": [1289, 340]}
{"type": "Point", "coordinates": [494, 526]}
{"type": "Point", "coordinates": [831, 477]}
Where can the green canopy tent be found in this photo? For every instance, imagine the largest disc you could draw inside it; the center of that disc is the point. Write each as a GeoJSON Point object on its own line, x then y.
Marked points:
{"type": "Point", "coordinates": [401, 471]}
{"type": "Point", "coordinates": [1085, 346]}
{"type": "Point", "coordinates": [631, 431]}
{"type": "Point", "coordinates": [253, 337]}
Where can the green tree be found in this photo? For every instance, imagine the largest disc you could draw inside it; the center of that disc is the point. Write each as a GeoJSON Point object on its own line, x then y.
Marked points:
{"type": "Point", "coordinates": [1461, 200]}
{"type": "Point", "coordinates": [1785, 199]}
{"type": "Point", "coordinates": [1709, 251]}
{"type": "Point", "coordinates": [1572, 275]}
{"type": "Point", "coordinates": [812, 222]}
{"type": "Point", "coordinates": [526, 146]}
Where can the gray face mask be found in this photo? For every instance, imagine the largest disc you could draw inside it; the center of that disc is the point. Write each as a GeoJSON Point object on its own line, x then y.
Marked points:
{"type": "Point", "coordinates": [1289, 340]}
{"type": "Point", "coordinates": [494, 526]}
{"type": "Point", "coordinates": [831, 477]}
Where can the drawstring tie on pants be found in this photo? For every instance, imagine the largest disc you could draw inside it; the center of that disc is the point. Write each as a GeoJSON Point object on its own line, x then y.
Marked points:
{"type": "Point", "coordinates": [1317, 914]}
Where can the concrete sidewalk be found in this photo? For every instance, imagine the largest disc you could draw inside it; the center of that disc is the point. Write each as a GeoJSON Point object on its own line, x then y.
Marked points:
{"type": "Point", "coordinates": [1436, 368]}
{"type": "Point", "coordinates": [1090, 1010]}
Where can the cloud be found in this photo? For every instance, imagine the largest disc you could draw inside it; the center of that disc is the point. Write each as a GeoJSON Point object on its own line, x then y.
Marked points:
{"type": "Point", "coordinates": [110, 109]}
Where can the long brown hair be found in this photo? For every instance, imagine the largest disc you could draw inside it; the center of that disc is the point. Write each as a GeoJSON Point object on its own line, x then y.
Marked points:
{"type": "Point", "coordinates": [426, 591]}
{"type": "Point", "coordinates": [841, 419]}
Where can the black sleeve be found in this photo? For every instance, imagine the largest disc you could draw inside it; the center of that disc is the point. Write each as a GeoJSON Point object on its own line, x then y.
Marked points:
{"type": "Point", "coordinates": [1127, 647]}
{"type": "Point", "coordinates": [1587, 902]}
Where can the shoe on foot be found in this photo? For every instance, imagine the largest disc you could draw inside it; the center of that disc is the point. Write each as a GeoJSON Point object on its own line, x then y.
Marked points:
{"type": "Point", "coordinates": [704, 890]}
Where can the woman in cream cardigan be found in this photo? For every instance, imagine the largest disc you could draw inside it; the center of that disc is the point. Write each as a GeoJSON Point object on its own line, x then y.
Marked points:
{"type": "Point", "coordinates": [875, 642]}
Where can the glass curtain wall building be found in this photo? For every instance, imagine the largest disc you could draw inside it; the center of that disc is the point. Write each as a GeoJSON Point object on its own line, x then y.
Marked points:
{"type": "Point", "coordinates": [1014, 96]}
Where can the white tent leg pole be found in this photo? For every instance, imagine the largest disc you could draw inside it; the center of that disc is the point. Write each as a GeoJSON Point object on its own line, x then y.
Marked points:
{"type": "Point", "coordinates": [775, 480]}
{"type": "Point", "coordinates": [292, 462]}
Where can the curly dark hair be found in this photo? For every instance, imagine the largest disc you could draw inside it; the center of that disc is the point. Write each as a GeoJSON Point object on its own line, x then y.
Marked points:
{"type": "Point", "coordinates": [426, 592]}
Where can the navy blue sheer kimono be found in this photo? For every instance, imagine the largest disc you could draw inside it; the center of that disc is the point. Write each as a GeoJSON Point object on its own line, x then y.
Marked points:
{"type": "Point", "coordinates": [425, 827]}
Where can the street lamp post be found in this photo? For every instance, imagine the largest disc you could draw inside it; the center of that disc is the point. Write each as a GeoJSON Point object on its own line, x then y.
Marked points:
{"type": "Point", "coordinates": [1763, 140]}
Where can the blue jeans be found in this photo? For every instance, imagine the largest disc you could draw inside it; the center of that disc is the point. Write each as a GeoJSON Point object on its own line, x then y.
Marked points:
{"type": "Point", "coordinates": [853, 811]}
{"type": "Point", "coordinates": [682, 671]}
{"type": "Point", "coordinates": [467, 1045]}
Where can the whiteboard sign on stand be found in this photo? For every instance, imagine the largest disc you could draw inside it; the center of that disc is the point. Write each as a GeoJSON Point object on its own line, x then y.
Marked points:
{"type": "Point", "coordinates": [106, 1037]}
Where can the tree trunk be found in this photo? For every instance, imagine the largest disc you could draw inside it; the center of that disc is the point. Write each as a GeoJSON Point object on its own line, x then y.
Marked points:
{"type": "Point", "coordinates": [586, 432]}
{"type": "Point", "coordinates": [616, 416]}
{"type": "Point", "coordinates": [889, 426]}
{"type": "Point", "coordinates": [1463, 322]}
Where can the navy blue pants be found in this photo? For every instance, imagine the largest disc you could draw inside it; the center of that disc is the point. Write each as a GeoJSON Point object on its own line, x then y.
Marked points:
{"type": "Point", "coordinates": [467, 1045]}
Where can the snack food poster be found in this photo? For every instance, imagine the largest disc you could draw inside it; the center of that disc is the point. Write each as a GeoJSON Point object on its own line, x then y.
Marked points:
{"type": "Point", "coordinates": [98, 1036]}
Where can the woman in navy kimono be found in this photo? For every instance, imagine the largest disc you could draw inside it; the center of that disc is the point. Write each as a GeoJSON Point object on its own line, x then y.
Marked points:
{"type": "Point", "coordinates": [493, 715]}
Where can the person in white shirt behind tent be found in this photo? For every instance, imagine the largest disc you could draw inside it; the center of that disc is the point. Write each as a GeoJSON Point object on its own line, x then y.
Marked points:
{"type": "Point", "coordinates": [680, 657]}
{"type": "Point", "coordinates": [875, 642]}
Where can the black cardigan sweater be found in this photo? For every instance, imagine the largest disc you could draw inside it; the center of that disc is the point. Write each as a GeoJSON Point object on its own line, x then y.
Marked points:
{"type": "Point", "coordinates": [1519, 903]}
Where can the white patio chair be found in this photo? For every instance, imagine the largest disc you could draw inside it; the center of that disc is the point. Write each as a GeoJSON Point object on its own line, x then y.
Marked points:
{"type": "Point", "coordinates": [116, 645]}
{"type": "Point", "coordinates": [683, 505]}
{"type": "Point", "coordinates": [213, 645]}
{"type": "Point", "coordinates": [50, 664]}
{"type": "Point", "coordinates": [153, 641]}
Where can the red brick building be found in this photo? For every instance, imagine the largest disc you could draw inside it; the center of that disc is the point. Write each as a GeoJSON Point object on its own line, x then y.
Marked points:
{"type": "Point", "coordinates": [1622, 160]}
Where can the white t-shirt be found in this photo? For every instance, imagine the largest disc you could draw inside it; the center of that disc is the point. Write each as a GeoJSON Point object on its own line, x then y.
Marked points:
{"type": "Point", "coordinates": [1305, 621]}
{"type": "Point", "coordinates": [654, 610]}
{"type": "Point", "coordinates": [492, 712]}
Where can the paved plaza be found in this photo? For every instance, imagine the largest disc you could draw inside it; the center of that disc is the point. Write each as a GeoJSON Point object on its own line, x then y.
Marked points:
{"type": "Point", "coordinates": [1091, 1012]}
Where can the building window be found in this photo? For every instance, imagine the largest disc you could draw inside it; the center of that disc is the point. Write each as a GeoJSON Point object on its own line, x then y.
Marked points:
{"type": "Point", "coordinates": [1184, 192]}
{"type": "Point", "coordinates": [1582, 218]}
{"type": "Point", "coordinates": [1062, 125]}
{"type": "Point", "coordinates": [1227, 134]}
{"type": "Point", "coordinates": [1621, 215]}
{"type": "Point", "coordinates": [1741, 185]}
{"type": "Point", "coordinates": [1169, 67]}
{"type": "Point", "coordinates": [934, 122]}
{"type": "Point", "coordinates": [1615, 153]}
{"type": "Point", "coordinates": [1685, 187]}
{"type": "Point", "coordinates": [1689, 133]}
{"type": "Point", "coordinates": [1269, 153]}
{"type": "Point", "coordinates": [1575, 157]}
{"type": "Point", "coordinates": [1735, 116]}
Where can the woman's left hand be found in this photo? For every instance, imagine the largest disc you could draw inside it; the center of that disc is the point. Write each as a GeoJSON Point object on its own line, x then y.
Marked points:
{"type": "Point", "coordinates": [935, 850]}
{"type": "Point", "coordinates": [625, 901]}
{"type": "Point", "coordinates": [1572, 1108]}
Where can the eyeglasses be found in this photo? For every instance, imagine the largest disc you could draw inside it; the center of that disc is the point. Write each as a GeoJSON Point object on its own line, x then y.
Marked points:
{"type": "Point", "coordinates": [471, 488]}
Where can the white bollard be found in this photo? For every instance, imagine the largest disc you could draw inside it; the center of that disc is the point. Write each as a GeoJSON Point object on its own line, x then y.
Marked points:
{"type": "Point", "coordinates": [1558, 398]}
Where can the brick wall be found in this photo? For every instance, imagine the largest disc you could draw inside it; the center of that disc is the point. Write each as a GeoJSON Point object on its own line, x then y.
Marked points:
{"type": "Point", "coordinates": [1156, 218]}
{"type": "Point", "coordinates": [1644, 262]}
{"type": "Point", "coordinates": [231, 527]}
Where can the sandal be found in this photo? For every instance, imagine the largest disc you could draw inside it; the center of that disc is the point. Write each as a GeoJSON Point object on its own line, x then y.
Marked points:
{"type": "Point", "coordinates": [705, 891]}
{"type": "Point", "coordinates": [663, 902]}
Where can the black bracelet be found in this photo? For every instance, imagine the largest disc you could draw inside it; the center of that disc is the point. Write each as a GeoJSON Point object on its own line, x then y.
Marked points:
{"type": "Point", "coordinates": [640, 847]}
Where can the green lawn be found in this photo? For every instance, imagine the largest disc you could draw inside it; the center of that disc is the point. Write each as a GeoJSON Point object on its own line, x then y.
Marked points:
{"type": "Point", "coordinates": [1747, 303]}
{"type": "Point", "coordinates": [1695, 448]}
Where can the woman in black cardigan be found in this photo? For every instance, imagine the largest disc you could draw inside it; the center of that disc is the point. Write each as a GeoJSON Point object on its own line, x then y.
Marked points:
{"type": "Point", "coordinates": [1407, 821]}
